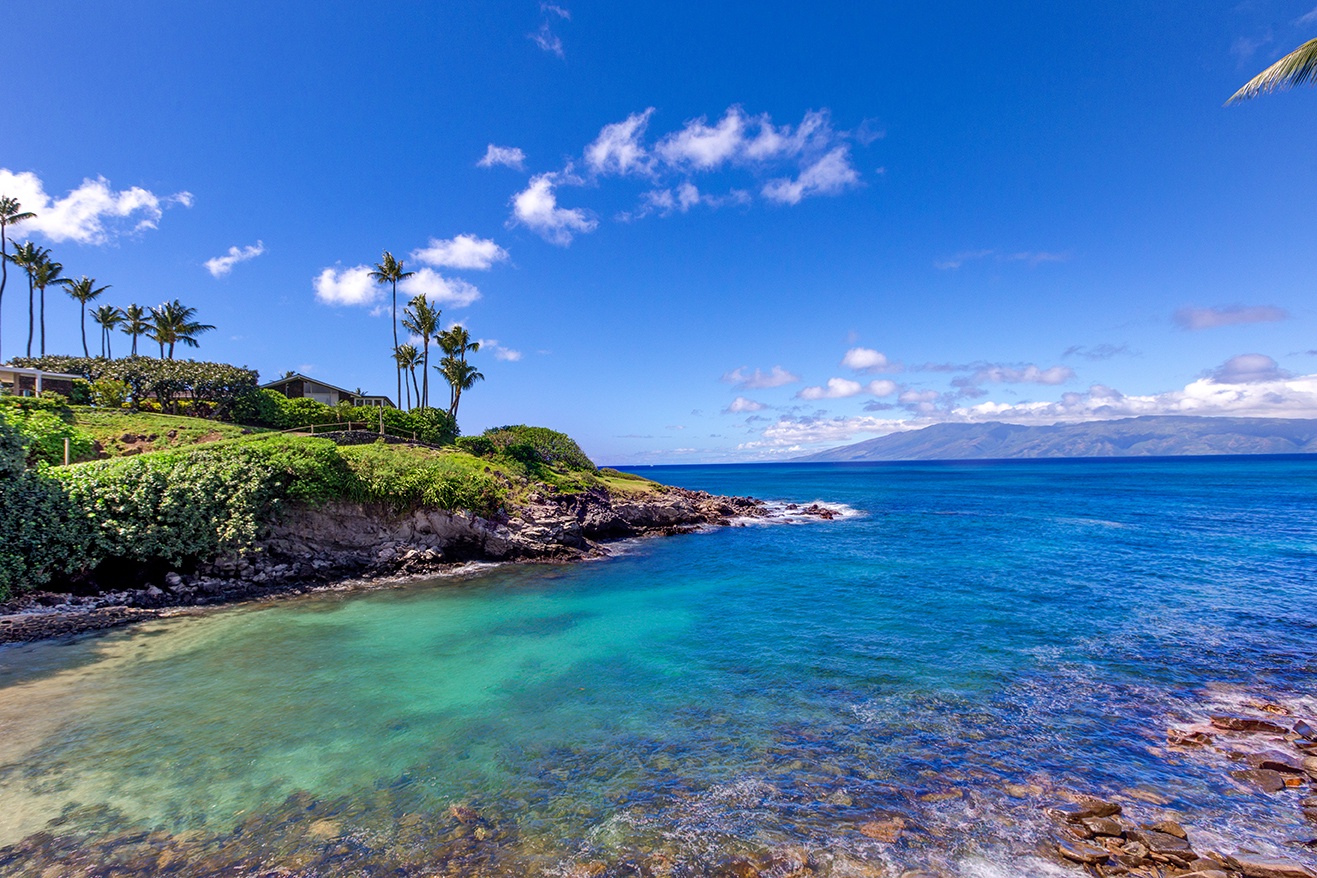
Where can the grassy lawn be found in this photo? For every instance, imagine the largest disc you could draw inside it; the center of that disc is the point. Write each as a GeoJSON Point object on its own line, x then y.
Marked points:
{"type": "Point", "coordinates": [121, 432]}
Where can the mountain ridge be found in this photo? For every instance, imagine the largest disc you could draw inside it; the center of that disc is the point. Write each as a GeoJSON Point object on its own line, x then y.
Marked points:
{"type": "Point", "coordinates": [1144, 436]}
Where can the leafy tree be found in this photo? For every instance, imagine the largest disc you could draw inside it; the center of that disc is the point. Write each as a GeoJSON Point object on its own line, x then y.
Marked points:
{"type": "Point", "coordinates": [108, 318]}
{"type": "Point", "coordinates": [48, 273]}
{"type": "Point", "coordinates": [28, 257]}
{"type": "Point", "coordinates": [1296, 68]}
{"type": "Point", "coordinates": [83, 291]}
{"type": "Point", "coordinates": [408, 358]}
{"type": "Point", "coordinates": [135, 324]}
{"type": "Point", "coordinates": [422, 318]}
{"type": "Point", "coordinates": [389, 271]}
{"type": "Point", "coordinates": [11, 214]}
{"type": "Point", "coordinates": [172, 323]}
{"type": "Point", "coordinates": [460, 376]}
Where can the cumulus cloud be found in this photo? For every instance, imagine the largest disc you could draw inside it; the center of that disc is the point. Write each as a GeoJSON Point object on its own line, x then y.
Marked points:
{"type": "Point", "coordinates": [500, 352]}
{"type": "Point", "coordinates": [759, 379]}
{"type": "Point", "coordinates": [536, 207]}
{"type": "Point", "coordinates": [741, 405]}
{"type": "Point", "coordinates": [1031, 257]}
{"type": "Point", "coordinates": [794, 433]}
{"type": "Point", "coordinates": [463, 251]}
{"type": "Point", "coordinates": [618, 148]}
{"type": "Point", "coordinates": [1248, 369]}
{"type": "Point", "coordinates": [439, 290]}
{"type": "Point", "coordinates": [219, 266]}
{"type": "Point", "coordinates": [866, 360]}
{"type": "Point", "coordinates": [829, 175]}
{"type": "Point", "coordinates": [1228, 315]}
{"type": "Point", "coordinates": [844, 388]}
{"type": "Point", "coordinates": [346, 286]}
{"type": "Point", "coordinates": [93, 213]}
{"type": "Point", "coordinates": [505, 156]}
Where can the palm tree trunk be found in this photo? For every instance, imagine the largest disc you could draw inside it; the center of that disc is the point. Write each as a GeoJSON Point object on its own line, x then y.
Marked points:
{"type": "Point", "coordinates": [83, 310]}
{"type": "Point", "coordinates": [134, 335]}
{"type": "Point", "coordinates": [425, 377]}
{"type": "Point", "coordinates": [395, 339]}
{"type": "Point", "coordinates": [43, 321]}
{"type": "Point", "coordinates": [4, 276]}
{"type": "Point", "coordinates": [31, 313]}
{"type": "Point", "coordinates": [171, 350]}
{"type": "Point", "coordinates": [109, 345]}
{"type": "Point", "coordinates": [457, 398]}
{"type": "Point", "coordinates": [417, 388]}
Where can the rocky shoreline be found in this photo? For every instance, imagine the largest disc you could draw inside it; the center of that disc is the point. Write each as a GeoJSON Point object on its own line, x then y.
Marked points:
{"type": "Point", "coordinates": [344, 545]}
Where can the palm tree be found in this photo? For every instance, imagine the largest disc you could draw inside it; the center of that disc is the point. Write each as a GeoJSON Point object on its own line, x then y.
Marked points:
{"type": "Point", "coordinates": [389, 271]}
{"type": "Point", "coordinates": [1296, 68]}
{"type": "Point", "coordinates": [107, 317]}
{"type": "Point", "coordinates": [83, 291]}
{"type": "Point", "coordinates": [28, 257]}
{"type": "Point", "coordinates": [408, 358]}
{"type": "Point", "coordinates": [11, 214]}
{"type": "Point", "coordinates": [460, 376]}
{"type": "Point", "coordinates": [47, 274]}
{"type": "Point", "coordinates": [422, 318]}
{"type": "Point", "coordinates": [173, 323]}
{"type": "Point", "coordinates": [134, 324]}
{"type": "Point", "coordinates": [456, 342]}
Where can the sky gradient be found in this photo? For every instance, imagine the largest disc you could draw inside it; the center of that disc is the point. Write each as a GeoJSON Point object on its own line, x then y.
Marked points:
{"type": "Point", "coordinates": [687, 233]}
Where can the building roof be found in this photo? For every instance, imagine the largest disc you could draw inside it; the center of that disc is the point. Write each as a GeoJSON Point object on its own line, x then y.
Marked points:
{"type": "Point", "coordinates": [20, 370]}
{"type": "Point", "coordinates": [298, 376]}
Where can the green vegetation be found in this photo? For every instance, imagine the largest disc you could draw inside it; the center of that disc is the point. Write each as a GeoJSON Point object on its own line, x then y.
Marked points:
{"type": "Point", "coordinates": [191, 502]}
{"type": "Point", "coordinates": [208, 389]}
{"type": "Point", "coordinates": [122, 431]}
{"type": "Point", "coordinates": [1296, 68]}
{"type": "Point", "coordinates": [43, 423]}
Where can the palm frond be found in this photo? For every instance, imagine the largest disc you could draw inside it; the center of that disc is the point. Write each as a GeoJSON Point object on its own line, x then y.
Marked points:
{"type": "Point", "coordinates": [1296, 68]}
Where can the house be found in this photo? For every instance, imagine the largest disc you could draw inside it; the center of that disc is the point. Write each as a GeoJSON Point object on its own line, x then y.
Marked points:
{"type": "Point", "coordinates": [31, 382]}
{"type": "Point", "coordinates": [299, 386]}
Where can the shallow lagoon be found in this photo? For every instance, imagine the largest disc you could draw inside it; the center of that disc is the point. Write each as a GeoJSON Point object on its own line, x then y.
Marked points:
{"type": "Point", "coordinates": [973, 638]}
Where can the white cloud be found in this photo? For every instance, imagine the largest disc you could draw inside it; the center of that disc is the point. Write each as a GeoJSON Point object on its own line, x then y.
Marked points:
{"type": "Point", "coordinates": [618, 148]}
{"type": "Point", "coordinates": [222, 265]}
{"type": "Point", "coordinates": [740, 405]}
{"type": "Point", "coordinates": [961, 258]}
{"type": "Point", "coordinates": [797, 432]}
{"type": "Point", "coordinates": [91, 214]}
{"type": "Point", "coordinates": [440, 290]}
{"type": "Point", "coordinates": [463, 251]}
{"type": "Point", "coordinates": [506, 156]}
{"type": "Point", "coordinates": [1248, 369]}
{"type": "Point", "coordinates": [759, 380]}
{"type": "Point", "coordinates": [347, 286]}
{"type": "Point", "coordinates": [1029, 374]}
{"type": "Point", "coordinates": [1032, 257]}
{"type": "Point", "coordinates": [547, 40]}
{"type": "Point", "coordinates": [536, 207]}
{"type": "Point", "coordinates": [704, 146]}
{"type": "Point", "coordinates": [1228, 315]}
{"type": "Point", "coordinates": [882, 387]}
{"type": "Point", "coordinates": [1307, 18]}
{"type": "Point", "coordinates": [829, 175]}
{"type": "Point", "coordinates": [500, 352]}
{"type": "Point", "coordinates": [866, 360]}
{"type": "Point", "coordinates": [556, 10]}
{"type": "Point", "coordinates": [844, 388]}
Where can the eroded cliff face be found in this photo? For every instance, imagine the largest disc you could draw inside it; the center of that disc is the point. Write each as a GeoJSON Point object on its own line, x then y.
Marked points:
{"type": "Point", "coordinates": [353, 545]}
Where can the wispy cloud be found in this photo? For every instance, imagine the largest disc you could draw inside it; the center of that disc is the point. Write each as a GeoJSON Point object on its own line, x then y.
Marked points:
{"type": "Point", "coordinates": [462, 252]}
{"type": "Point", "coordinates": [759, 379]}
{"type": "Point", "coordinates": [1029, 257]}
{"type": "Point", "coordinates": [505, 156]}
{"type": "Point", "coordinates": [219, 266]}
{"type": "Point", "coordinates": [500, 352]}
{"type": "Point", "coordinates": [545, 37]}
{"type": "Point", "coordinates": [1097, 352]}
{"type": "Point", "coordinates": [1228, 315]}
{"type": "Point", "coordinates": [93, 213]}
{"type": "Point", "coordinates": [536, 207]}
{"type": "Point", "coordinates": [619, 148]}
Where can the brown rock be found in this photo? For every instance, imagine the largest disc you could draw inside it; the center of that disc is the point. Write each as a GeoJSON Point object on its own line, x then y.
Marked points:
{"type": "Point", "coordinates": [737, 868]}
{"type": "Point", "coordinates": [592, 869]}
{"type": "Point", "coordinates": [1276, 760]}
{"type": "Point", "coordinates": [1103, 826]}
{"type": "Point", "coordinates": [464, 814]}
{"type": "Point", "coordinates": [1233, 723]}
{"type": "Point", "coordinates": [1022, 790]}
{"type": "Point", "coordinates": [886, 830]}
{"type": "Point", "coordinates": [325, 829]}
{"type": "Point", "coordinates": [1160, 842]}
{"type": "Point", "coordinates": [1080, 852]}
{"type": "Point", "coordinates": [1186, 738]}
{"type": "Point", "coordinates": [1073, 812]}
{"type": "Point", "coordinates": [1255, 866]}
{"type": "Point", "coordinates": [1305, 729]}
{"type": "Point", "coordinates": [1169, 827]}
{"type": "Point", "coordinates": [1263, 778]}
{"type": "Point", "coordinates": [1310, 766]}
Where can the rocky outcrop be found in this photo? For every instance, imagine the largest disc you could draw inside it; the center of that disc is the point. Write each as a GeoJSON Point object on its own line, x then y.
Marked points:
{"type": "Point", "coordinates": [356, 546]}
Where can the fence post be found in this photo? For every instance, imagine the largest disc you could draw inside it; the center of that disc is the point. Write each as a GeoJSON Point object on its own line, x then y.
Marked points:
{"type": "Point", "coordinates": [381, 420]}
{"type": "Point", "coordinates": [66, 451]}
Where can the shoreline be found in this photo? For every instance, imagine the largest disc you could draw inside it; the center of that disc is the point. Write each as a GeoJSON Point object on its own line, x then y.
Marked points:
{"type": "Point", "coordinates": [353, 547]}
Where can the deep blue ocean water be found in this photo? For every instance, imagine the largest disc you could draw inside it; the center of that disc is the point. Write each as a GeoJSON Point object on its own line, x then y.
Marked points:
{"type": "Point", "coordinates": [967, 640]}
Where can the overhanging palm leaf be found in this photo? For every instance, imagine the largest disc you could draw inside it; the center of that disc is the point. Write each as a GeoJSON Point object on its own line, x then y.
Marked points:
{"type": "Point", "coordinates": [1296, 68]}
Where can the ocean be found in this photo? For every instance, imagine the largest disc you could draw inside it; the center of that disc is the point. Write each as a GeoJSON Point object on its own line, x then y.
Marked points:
{"type": "Point", "coordinates": [962, 645]}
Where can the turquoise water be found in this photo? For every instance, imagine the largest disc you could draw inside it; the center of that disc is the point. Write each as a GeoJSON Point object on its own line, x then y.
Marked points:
{"type": "Point", "coordinates": [967, 640]}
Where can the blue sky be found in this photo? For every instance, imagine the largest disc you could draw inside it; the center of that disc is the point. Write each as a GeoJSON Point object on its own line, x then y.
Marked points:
{"type": "Point", "coordinates": [703, 233]}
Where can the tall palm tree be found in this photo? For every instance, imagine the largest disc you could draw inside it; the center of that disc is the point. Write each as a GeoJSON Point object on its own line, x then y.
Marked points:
{"type": "Point", "coordinates": [108, 318]}
{"type": "Point", "coordinates": [134, 324]}
{"type": "Point", "coordinates": [460, 376]}
{"type": "Point", "coordinates": [48, 274]}
{"type": "Point", "coordinates": [389, 271]}
{"type": "Point", "coordinates": [422, 318]}
{"type": "Point", "coordinates": [173, 323]}
{"type": "Point", "coordinates": [83, 291]}
{"type": "Point", "coordinates": [29, 256]}
{"type": "Point", "coordinates": [408, 358]}
{"type": "Point", "coordinates": [11, 214]}
{"type": "Point", "coordinates": [1296, 68]}
{"type": "Point", "coordinates": [456, 342]}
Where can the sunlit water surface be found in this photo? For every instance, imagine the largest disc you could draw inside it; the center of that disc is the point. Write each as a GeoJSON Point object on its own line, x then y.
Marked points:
{"type": "Point", "coordinates": [969, 627]}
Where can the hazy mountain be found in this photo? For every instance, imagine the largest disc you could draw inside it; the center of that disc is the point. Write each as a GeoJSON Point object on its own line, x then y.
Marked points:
{"type": "Point", "coordinates": [1128, 437]}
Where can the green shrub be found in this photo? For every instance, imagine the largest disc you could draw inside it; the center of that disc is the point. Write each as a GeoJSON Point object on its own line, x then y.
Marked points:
{"type": "Point", "coordinates": [81, 392]}
{"type": "Point", "coordinates": [406, 478]}
{"type": "Point", "coordinates": [45, 422]}
{"type": "Point", "coordinates": [42, 533]}
{"type": "Point", "coordinates": [479, 446]}
{"type": "Point", "coordinates": [217, 384]}
{"type": "Point", "coordinates": [531, 445]}
{"type": "Point", "coordinates": [13, 450]}
{"type": "Point", "coordinates": [109, 393]}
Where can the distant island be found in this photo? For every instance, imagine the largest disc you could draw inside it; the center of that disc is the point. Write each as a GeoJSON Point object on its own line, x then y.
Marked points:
{"type": "Point", "coordinates": [1149, 436]}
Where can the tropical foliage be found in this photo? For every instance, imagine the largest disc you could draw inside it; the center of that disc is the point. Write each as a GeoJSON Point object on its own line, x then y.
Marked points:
{"type": "Point", "coordinates": [1296, 68]}
{"type": "Point", "coordinates": [217, 385]}
{"type": "Point", "coordinates": [539, 444]}
{"type": "Point", "coordinates": [11, 214]}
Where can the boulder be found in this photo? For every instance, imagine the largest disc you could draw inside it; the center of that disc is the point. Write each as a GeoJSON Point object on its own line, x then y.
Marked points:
{"type": "Point", "coordinates": [1081, 852]}
{"type": "Point", "coordinates": [1256, 866]}
{"type": "Point", "coordinates": [1264, 779]}
{"type": "Point", "coordinates": [1082, 807]}
{"type": "Point", "coordinates": [1276, 760]}
{"type": "Point", "coordinates": [1233, 723]}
